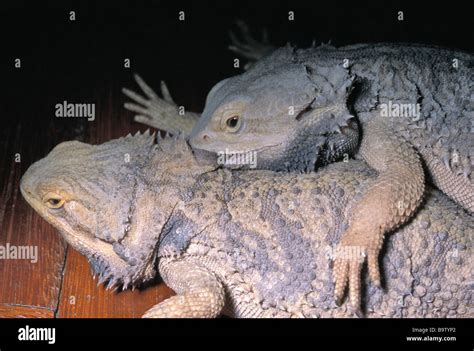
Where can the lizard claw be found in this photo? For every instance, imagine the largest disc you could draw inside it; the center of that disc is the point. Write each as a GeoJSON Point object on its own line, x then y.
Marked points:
{"type": "Point", "coordinates": [154, 103]}
{"type": "Point", "coordinates": [373, 264]}
{"type": "Point", "coordinates": [166, 93]}
{"type": "Point", "coordinates": [347, 268]}
{"type": "Point", "coordinates": [145, 88]}
{"type": "Point", "coordinates": [340, 274]}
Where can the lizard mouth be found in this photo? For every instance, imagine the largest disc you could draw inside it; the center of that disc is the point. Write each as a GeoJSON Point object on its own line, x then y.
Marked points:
{"type": "Point", "coordinates": [204, 157]}
{"type": "Point", "coordinates": [105, 263]}
{"type": "Point", "coordinates": [210, 157]}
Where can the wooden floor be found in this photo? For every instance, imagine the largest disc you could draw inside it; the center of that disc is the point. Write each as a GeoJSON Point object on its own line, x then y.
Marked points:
{"type": "Point", "coordinates": [82, 61]}
{"type": "Point", "coordinates": [60, 284]}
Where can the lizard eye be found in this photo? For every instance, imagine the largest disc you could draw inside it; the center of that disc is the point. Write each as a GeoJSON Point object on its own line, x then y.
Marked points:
{"type": "Point", "coordinates": [233, 123]}
{"type": "Point", "coordinates": [53, 201]}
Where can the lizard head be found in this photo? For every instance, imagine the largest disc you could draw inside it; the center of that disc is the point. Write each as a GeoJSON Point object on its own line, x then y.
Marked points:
{"type": "Point", "coordinates": [281, 106]}
{"type": "Point", "coordinates": [89, 193]}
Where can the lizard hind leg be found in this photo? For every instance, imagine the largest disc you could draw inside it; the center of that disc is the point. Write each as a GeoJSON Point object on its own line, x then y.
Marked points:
{"type": "Point", "coordinates": [200, 294]}
{"type": "Point", "coordinates": [456, 186]}
{"type": "Point", "coordinates": [390, 200]}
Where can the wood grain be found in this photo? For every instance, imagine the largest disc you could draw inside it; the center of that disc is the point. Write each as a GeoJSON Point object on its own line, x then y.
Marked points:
{"type": "Point", "coordinates": [81, 297]}
{"type": "Point", "coordinates": [60, 284]}
{"type": "Point", "coordinates": [31, 285]}
{"type": "Point", "coordinates": [18, 311]}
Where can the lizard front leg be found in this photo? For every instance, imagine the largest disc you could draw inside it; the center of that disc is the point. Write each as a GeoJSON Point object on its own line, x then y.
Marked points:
{"type": "Point", "coordinates": [159, 113]}
{"type": "Point", "coordinates": [200, 294]}
{"type": "Point", "coordinates": [391, 200]}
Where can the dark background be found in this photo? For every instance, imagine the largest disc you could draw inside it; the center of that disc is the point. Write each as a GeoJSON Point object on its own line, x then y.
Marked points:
{"type": "Point", "coordinates": [82, 62]}
{"type": "Point", "coordinates": [191, 56]}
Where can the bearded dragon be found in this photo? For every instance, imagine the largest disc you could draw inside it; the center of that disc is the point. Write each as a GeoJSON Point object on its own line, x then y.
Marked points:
{"type": "Point", "coordinates": [406, 109]}
{"type": "Point", "coordinates": [245, 244]}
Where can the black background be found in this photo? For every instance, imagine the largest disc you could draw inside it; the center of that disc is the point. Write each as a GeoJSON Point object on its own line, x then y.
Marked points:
{"type": "Point", "coordinates": [192, 55]}
{"type": "Point", "coordinates": [84, 60]}
{"type": "Point", "coordinates": [266, 334]}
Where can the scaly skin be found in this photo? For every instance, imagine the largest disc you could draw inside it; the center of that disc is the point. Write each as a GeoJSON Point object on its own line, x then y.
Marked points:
{"type": "Point", "coordinates": [247, 244]}
{"type": "Point", "coordinates": [329, 101]}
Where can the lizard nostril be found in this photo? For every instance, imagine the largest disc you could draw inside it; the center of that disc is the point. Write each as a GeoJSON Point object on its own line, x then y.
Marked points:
{"type": "Point", "coordinates": [205, 137]}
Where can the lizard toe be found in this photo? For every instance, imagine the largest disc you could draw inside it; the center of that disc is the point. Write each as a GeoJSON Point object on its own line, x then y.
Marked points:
{"type": "Point", "coordinates": [341, 275]}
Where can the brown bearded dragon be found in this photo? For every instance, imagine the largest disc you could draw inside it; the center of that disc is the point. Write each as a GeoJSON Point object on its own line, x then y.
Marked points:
{"type": "Point", "coordinates": [401, 108]}
{"type": "Point", "coordinates": [246, 244]}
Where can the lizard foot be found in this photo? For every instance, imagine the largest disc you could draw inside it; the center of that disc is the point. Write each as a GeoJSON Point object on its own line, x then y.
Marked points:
{"type": "Point", "coordinates": [206, 303]}
{"type": "Point", "coordinates": [156, 112]}
{"type": "Point", "coordinates": [349, 259]}
{"type": "Point", "coordinates": [249, 47]}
